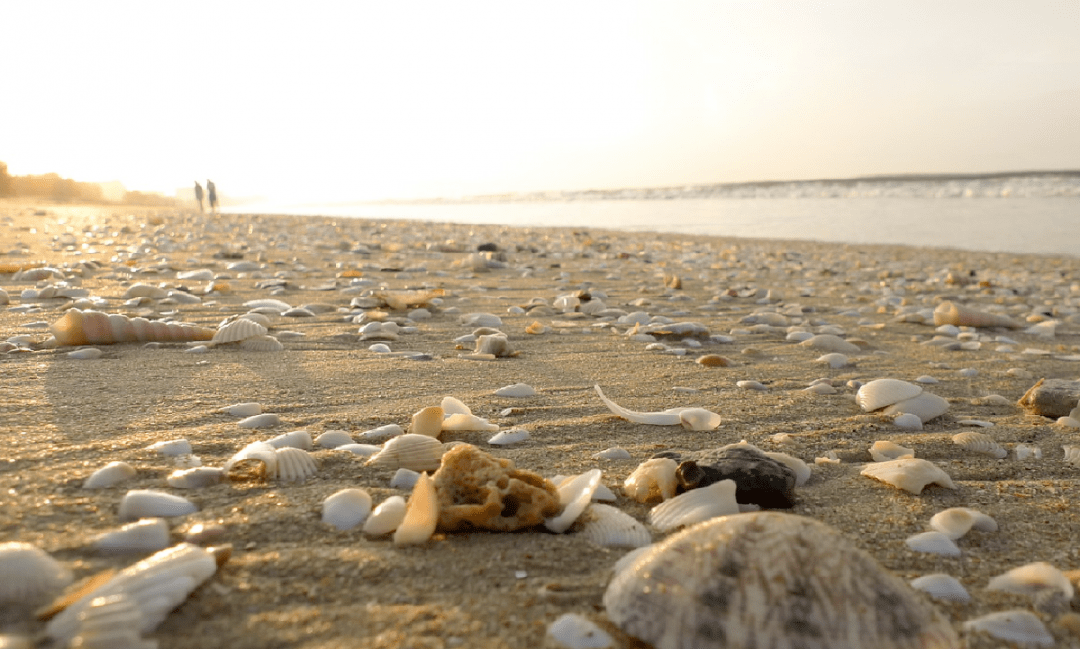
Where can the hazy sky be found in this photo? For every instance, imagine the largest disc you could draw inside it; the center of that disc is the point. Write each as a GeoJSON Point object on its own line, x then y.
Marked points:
{"type": "Point", "coordinates": [349, 100]}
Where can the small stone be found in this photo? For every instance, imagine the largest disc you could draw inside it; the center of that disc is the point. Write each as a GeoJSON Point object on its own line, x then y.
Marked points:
{"type": "Point", "coordinates": [759, 479]}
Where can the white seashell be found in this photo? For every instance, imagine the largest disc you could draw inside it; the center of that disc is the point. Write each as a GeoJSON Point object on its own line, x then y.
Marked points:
{"type": "Point", "coordinates": [195, 478]}
{"type": "Point", "coordinates": [909, 474]}
{"type": "Point", "coordinates": [156, 585]}
{"type": "Point", "coordinates": [86, 353]}
{"type": "Point", "coordinates": [933, 543]}
{"type": "Point", "coordinates": [260, 451]}
{"type": "Point", "coordinates": [28, 575]}
{"type": "Point", "coordinates": [421, 514]}
{"type": "Point", "coordinates": [830, 457]}
{"type": "Point", "coordinates": [380, 348]}
{"type": "Point", "coordinates": [460, 421]}
{"type": "Point", "coordinates": [109, 622]}
{"type": "Point", "coordinates": [908, 421]}
{"type": "Point", "coordinates": [604, 493]}
{"type": "Point", "coordinates": [333, 439]}
{"type": "Point", "coordinates": [751, 385]}
{"type": "Point", "coordinates": [695, 506]}
{"type": "Point", "coordinates": [517, 390]}
{"type": "Point", "coordinates": [237, 330]}
{"type": "Point", "coordinates": [962, 316]}
{"type": "Point", "coordinates": [386, 517]}
{"type": "Point", "coordinates": [90, 327]}
{"type": "Point", "coordinates": [572, 631]}
{"type": "Point", "coordinates": [883, 451]}
{"type": "Point", "coordinates": [610, 527]}
{"type": "Point", "coordinates": [454, 406]}
{"type": "Point", "coordinates": [248, 409]}
{"type": "Point", "coordinates": [383, 432]}
{"type": "Point", "coordinates": [146, 535]}
{"type": "Point", "coordinates": [1033, 579]}
{"type": "Point", "coordinates": [300, 439]}
{"type": "Point", "coordinates": [265, 420]}
{"type": "Point", "coordinates": [1023, 452]}
{"type": "Point", "coordinates": [379, 331]}
{"type": "Point", "coordinates": [171, 448]}
{"type": "Point", "coordinates": [975, 422]}
{"type": "Point", "coordinates": [410, 451]}
{"type": "Point", "coordinates": [404, 479]}
{"type": "Point", "coordinates": [1019, 626]}
{"type": "Point", "coordinates": [926, 380]}
{"type": "Point", "coordinates": [652, 480]}
{"type": "Point", "coordinates": [261, 344]}
{"type": "Point", "coordinates": [835, 360]}
{"type": "Point", "coordinates": [294, 465]}
{"type": "Point", "coordinates": [1068, 422]}
{"type": "Point", "coordinates": [187, 461]}
{"type": "Point", "coordinates": [956, 521]}
{"type": "Point", "coordinates": [942, 586]}
{"type": "Point", "coordinates": [820, 388]}
{"type": "Point", "coordinates": [347, 508]}
{"type": "Point", "coordinates": [880, 393]}
{"type": "Point", "coordinates": [363, 450]}
{"type": "Point", "coordinates": [506, 437]}
{"type": "Point", "coordinates": [109, 475]}
{"type": "Point", "coordinates": [980, 443]}
{"type": "Point", "coordinates": [926, 406]}
{"type": "Point", "coordinates": [146, 503]}
{"type": "Point", "coordinates": [574, 496]}
{"type": "Point", "coordinates": [267, 304]}
{"type": "Point", "coordinates": [699, 419]}
{"type": "Point", "coordinates": [613, 453]}
{"type": "Point", "coordinates": [801, 469]}
{"type": "Point", "coordinates": [665, 418]}
{"type": "Point", "coordinates": [1072, 454]}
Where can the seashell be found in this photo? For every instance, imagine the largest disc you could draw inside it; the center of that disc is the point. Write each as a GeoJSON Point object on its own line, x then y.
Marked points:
{"type": "Point", "coordinates": [835, 360]}
{"type": "Point", "coordinates": [709, 587]}
{"type": "Point", "coordinates": [698, 419]}
{"type": "Point", "coordinates": [261, 344]}
{"type": "Point", "coordinates": [427, 422]}
{"type": "Point", "coordinates": [267, 304]}
{"type": "Point", "coordinates": [300, 439]}
{"type": "Point", "coordinates": [1023, 452]}
{"type": "Point", "coordinates": [261, 454]}
{"type": "Point", "coordinates": [146, 503]}
{"type": "Point", "coordinates": [801, 469]}
{"type": "Point", "coordinates": [498, 345]}
{"type": "Point", "coordinates": [751, 385]}
{"type": "Point", "coordinates": [383, 432]}
{"type": "Point", "coordinates": [171, 448]}
{"type": "Point", "coordinates": [347, 508]}
{"type": "Point", "coordinates": [380, 348]}
{"type": "Point", "coordinates": [1033, 579]}
{"type": "Point", "coordinates": [613, 453]}
{"type": "Point", "coordinates": [572, 631]}
{"type": "Point", "coordinates": [380, 331]}
{"type": "Point", "coordinates": [883, 451]}
{"type": "Point", "coordinates": [1072, 454]}
{"type": "Point", "coordinates": [146, 535]}
{"type": "Point", "coordinates": [364, 450]}
{"type": "Point", "coordinates": [294, 465]}
{"type": "Point", "coordinates": [237, 330]}
{"type": "Point", "coordinates": [831, 343]}
{"type": "Point", "coordinates": [86, 353]}
{"type": "Point", "coordinates": [536, 328]}
{"type": "Point", "coordinates": [666, 418]}
{"type": "Point", "coordinates": [517, 390]}
{"type": "Point", "coordinates": [386, 517]}
{"type": "Point", "coordinates": [909, 474]}
{"type": "Point", "coordinates": [574, 496]}
{"type": "Point", "coordinates": [714, 360]}
{"type": "Point", "coordinates": [29, 575]}
{"type": "Point", "coordinates": [110, 622]}
{"type": "Point", "coordinates": [933, 543]}
{"type": "Point", "coordinates": [409, 451]}
{"type": "Point", "coordinates": [402, 300]}
{"type": "Point", "coordinates": [652, 480]}
{"type": "Point", "coordinates": [333, 439]}
{"type": "Point", "coordinates": [962, 316]}
{"type": "Point", "coordinates": [145, 290]}
{"type": "Point", "coordinates": [695, 506]}
{"type": "Point", "coordinates": [248, 409]}
{"type": "Point", "coordinates": [90, 327]}
{"type": "Point", "coordinates": [1068, 422]}
{"type": "Point", "coordinates": [1019, 626]}
{"type": "Point", "coordinates": [941, 586]}
{"type": "Point", "coordinates": [404, 479]}
{"type": "Point", "coordinates": [452, 406]}
{"type": "Point", "coordinates": [421, 514]}
{"type": "Point", "coordinates": [980, 443]}
{"type": "Point", "coordinates": [195, 478]}
{"type": "Point", "coordinates": [975, 422]}
{"type": "Point", "coordinates": [880, 393]}
{"type": "Point", "coordinates": [820, 388]}
{"type": "Point", "coordinates": [956, 521]}
{"type": "Point", "coordinates": [610, 527]}
{"type": "Point", "coordinates": [264, 420]}
{"type": "Point", "coordinates": [109, 475]}
{"type": "Point", "coordinates": [506, 437]}
{"type": "Point", "coordinates": [156, 585]}
{"type": "Point", "coordinates": [926, 406]}
{"type": "Point", "coordinates": [460, 421]}
{"type": "Point", "coordinates": [908, 421]}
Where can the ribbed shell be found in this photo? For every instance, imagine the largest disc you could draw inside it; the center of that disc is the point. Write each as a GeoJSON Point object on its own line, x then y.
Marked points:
{"type": "Point", "coordinates": [695, 506]}
{"type": "Point", "coordinates": [611, 527]}
{"type": "Point", "coordinates": [261, 344]}
{"type": "Point", "coordinates": [237, 330]}
{"type": "Point", "coordinates": [980, 443]}
{"type": "Point", "coordinates": [90, 327]}
{"type": "Point", "coordinates": [109, 623]}
{"type": "Point", "coordinates": [409, 451]}
{"type": "Point", "coordinates": [294, 465]}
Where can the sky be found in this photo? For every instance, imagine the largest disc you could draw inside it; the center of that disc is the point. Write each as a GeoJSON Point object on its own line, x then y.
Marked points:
{"type": "Point", "coordinates": [338, 101]}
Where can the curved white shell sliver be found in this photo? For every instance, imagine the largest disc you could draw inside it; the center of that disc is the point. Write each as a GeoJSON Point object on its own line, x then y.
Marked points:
{"type": "Point", "coordinates": [696, 419]}
{"type": "Point", "coordinates": [574, 495]}
{"type": "Point", "coordinates": [386, 518]}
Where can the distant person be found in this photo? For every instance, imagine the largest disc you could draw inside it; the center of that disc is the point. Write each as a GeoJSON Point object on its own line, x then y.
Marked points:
{"type": "Point", "coordinates": [198, 194]}
{"type": "Point", "coordinates": [211, 196]}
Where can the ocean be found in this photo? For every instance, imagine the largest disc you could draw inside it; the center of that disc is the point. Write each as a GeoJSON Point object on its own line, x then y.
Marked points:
{"type": "Point", "coordinates": [1018, 214]}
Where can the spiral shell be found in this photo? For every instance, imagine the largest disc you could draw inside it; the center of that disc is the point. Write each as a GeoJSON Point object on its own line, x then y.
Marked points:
{"type": "Point", "coordinates": [90, 327]}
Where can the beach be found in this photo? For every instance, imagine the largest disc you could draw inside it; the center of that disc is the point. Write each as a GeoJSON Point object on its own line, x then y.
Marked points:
{"type": "Point", "coordinates": [294, 581]}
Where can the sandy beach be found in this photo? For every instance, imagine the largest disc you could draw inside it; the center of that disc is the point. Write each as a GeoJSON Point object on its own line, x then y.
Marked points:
{"type": "Point", "coordinates": [294, 581]}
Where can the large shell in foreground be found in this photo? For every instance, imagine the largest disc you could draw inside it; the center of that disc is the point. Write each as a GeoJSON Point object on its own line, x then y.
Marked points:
{"type": "Point", "coordinates": [28, 574]}
{"type": "Point", "coordinates": [766, 579]}
{"type": "Point", "coordinates": [91, 327]}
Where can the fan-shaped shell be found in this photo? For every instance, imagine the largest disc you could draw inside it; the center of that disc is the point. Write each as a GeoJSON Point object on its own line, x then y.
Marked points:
{"type": "Point", "coordinates": [652, 480]}
{"type": "Point", "coordinates": [109, 475]}
{"type": "Point", "coordinates": [714, 585]}
{"type": "Point", "coordinates": [89, 327]}
{"type": "Point", "coordinates": [237, 330]}
{"type": "Point", "coordinates": [386, 517]}
{"type": "Point", "coordinates": [454, 406]}
{"type": "Point", "coordinates": [695, 506]}
{"type": "Point", "coordinates": [980, 443]}
{"type": "Point", "coordinates": [146, 535]}
{"type": "Point", "coordinates": [147, 503]}
{"type": "Point", "coordinates": [880, 393]}
{"type": "Point", "coordinates": [955, 522]}
{"type": "Point", "coordinates": [574, 496]}
{"type": "Point", "coordinates": [259, 452]}
{"type": "Point", "coordinates": [909, 474]}
{"type": "Point", "coordinates": [347, 508]}
{"type": "Point", "coordinates": [28, 574]}
{"type": "Point", "coordinates": [409, 451]}
{"type": "Point", "coordinates": [831, 343]}
{"type": "Point", "coordinates": [611, 527]}
{"type": "Point", "coordinates": [294, 464]}
{"type": "Point", "coordinates": [941, 586]}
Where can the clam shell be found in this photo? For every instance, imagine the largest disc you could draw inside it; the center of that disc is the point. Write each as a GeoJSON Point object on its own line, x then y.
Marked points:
{"type": "Point", "coordinates": [1072, 454]}
{"type": "Point", "coordinates": [454, 406]}
{"type": "Point", "coordinates": [884, 450]}
{"type": "Point", "coordinates": [248, 409]}
{"type": "Point", "coordinates": [941, 586]}
{"type": "Point", "coordinates": [909, 474]}
{"type": "Point", "coordinates": [574, 496]}
{"type": "Point", "coordinates": [264, 420]}
{"type": "Point", "coordinates": [146, 535]}
{"type": "Point", "coordinates": [428, 421]}
{"type": "Point", "coordinates": [517, 391]}
{"type": "Point", "coordinates": [695, 506]}
{"type": "Point", "coordinates": [146, 503]}
{"type": "Point", "coordinates": [908, 420]}
{"type": "Point", "coordinates": [925, 406]}
{"type": "Point", "coordinates": [409, 451]}
{"type": "Point", "coordinates": [145, 290]}
{"type": "Point", "coordinates": [237, 330]}
{"type": "Point", "coordinates": [386, 517]}
{"type": "Point", "coordinates": [933, 543]}
{"type": "Point", "coordinates": [880, 393]}
{"type": "Point", "coordinates": [261, 344]}
{"type": "Point", "coordinates": [109, 475]}
{"type": "Point", "coordinates": [610, 527]}
{"type": "Point", "coordinates": [111, 621]}
{"type": "Point", "coordinates": [294, 465]}
{"type": "Point", "coordinates": [29, 575]}
{"type": "Point", "coordinates": [1033, 579]}
{"type": "Point", "coordinates": [379, 331]}
{"type": "Point", "coordinates": [1019, 626]}
{"type": "Point", "coordinates": [347, 508]}
{"type": "Point", "coordinates": [652, 480]}
{"type": "Point", "coordinates": [86, 353]}
{"type": "Point", "coordinates": [698, 419]}
{"type": "Point", "coordinates": [404, 479]}
{"type": "Point", "coordinates": [333, 439]}
{"type": "Point", "coordinates": [955, 522]}
{"type": "Point", "coordinates": [421, 514]}
{"type": "Point", "coordinates": [300, 439]}
{"type": "Point", "coordinates": [980, 443]}
{"type": "Point", "coordinates": [506, 437]}
{"type": "Point", "coordinates": [573, 631]}
{"type": "Point", "coordinates": [259, 452]}
{"type": "Point", "coordinates": [715, 585]}
{"type": "Point", "coordinates": [195, 478]}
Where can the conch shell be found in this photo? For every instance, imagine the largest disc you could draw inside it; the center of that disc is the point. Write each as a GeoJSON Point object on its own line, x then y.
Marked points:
{"type": "Point", "coordinates": [90, 327]}
{"type": "Point", "coordinates": [961, 316]}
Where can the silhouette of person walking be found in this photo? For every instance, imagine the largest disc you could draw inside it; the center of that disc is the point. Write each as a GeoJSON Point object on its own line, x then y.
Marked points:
{"type": "Point", "coordinates": [211, 196]}
{"type": "Point", "coordinates": [198, 194]}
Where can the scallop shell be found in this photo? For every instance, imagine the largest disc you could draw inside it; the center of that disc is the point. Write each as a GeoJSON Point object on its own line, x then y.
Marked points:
{"type": "Point", "coordinates": [506, 437]}
{"type": "Point", "coordinates": [109, 475]}
{"type": "Point", "coordinates": [980, 443]}
{"type": "Point", "coordinates": [950, 313]}
{"type": "Point", "coordinates": [347, 508]}
{"type": "Point", "coordinates": [652, 480]}
{"type": "Point", "coordinates": [29, 575]}
{"type": "Point", "coordinates": [573, 631]}
{"type": "Point", "coordinates": [610, 527]}
{"type": "Point", "coordinates": [880, 393]}
{"type": "Point", "coordinates": [955, 522]}
{"type": "Point", "coordinates": [421, 514]}
{"type": "Point", "coordinates": [261, 344]}
{"type": "Point", "coordinates": [714, 585]}
{"type": "Point", "coordinates": [517, 391]}
{"type": "Point", "coordinates": [90, 327]}
{"type": "Point", "coordinates": [428, 421]}
{"type": "Point", "coordinates": [237, 330]}
{"type": "Point", "coordinates": [941, 586]}
{"type": "Point", "coordinates": [925, 406]}
{"type": "Point", "coordinates": [933, 543]}
{"type": "Point", "coordinates": [1033, 579]}
{"type": "Point", "coordinates": [156, 585]}
{"type": "Point", "coordinates": [1019, 626]}
{"type": "Point", "coordinates": [195, 478]}
{"type": "Point", "coordinates": [300, 439]}
{"type": "Point", "coordinates": [146, 503]}
{"type": "Point", "coordinates": [386, 517]}
{"type": "Point", "coordinates": [294, 465]}
{"type": "Point", "coordinates": [884, 450]}
{"type": "Point", "coordinates": [695, 506]}
{"type": "Point", "coordinates": [574, 496]}
{"type": "Point", "coordinates": [909, 474]}
{"type": "Point", "coordinates": [145, 535]}
{"type": "Point", "coordinates": [333, 439]}
{"type": "Point", "coordinates": [409, 451]}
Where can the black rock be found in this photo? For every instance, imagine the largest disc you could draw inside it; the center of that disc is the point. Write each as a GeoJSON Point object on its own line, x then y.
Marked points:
{"type": "Point", "coordinates": [758, 478]}
{"type": "Point", "coordinates": [487, 247]}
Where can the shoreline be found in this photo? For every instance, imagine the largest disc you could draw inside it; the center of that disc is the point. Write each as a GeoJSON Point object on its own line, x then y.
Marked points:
{"type": "Point", "coordinates": [294, 581]}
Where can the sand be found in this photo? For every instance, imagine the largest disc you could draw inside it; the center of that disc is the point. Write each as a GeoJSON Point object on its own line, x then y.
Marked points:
{"type": "Point", "coordinates": [293, 581]}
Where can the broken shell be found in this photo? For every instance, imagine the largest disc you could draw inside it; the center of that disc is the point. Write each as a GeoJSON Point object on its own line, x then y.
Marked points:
{"type": "Point", "coordinates": [610, 527]}
{"type": "Point", "coordinates": [421, 514]}
{"type": "Point", "coordinates": [908, 421]}
{"type": "Point", "coordinates": [957, 314]}
{"type": "Point", "coordinates": [883, 451]}
{"type": "Point", "coordinates": [933, 543]}
{"type": "Point", "coordinates": [574, 497]}
{"type": "Point", "coordinates": [980, 443]}
{"type": "Point", "coordinates": [409, 451]}
{"type": "Point", "coordinates": [955, 522]}
{"type": "Point", "coordinates": [428, 421]}
{"type": "Point", "coordinates": [1033, 579]}
{"type": "Point", "coordinates": [347, 508]}
{"type": "Point", "coordinates": [146, 535]}
{"type": "Point", "coordinates": [109, 475]}
{"type": "Point", "coordinates": [941, 586]}
{"type": "Point", "coordinates": [909, 474]}
{"type": "Point", "coordinates": [386, 517]}
{"type": "Point", "coordinates": [300, 439]}
{"type": "Point", "coordinates": [498, 345]}
{"type": "Point", "coordinates": [195, 478]}
{"type": "Point", "coordinates": [294, 465]}
{"type": "Point", "coordinates": [880, 393]}
{"type": "Point", "coordinates": [695, 506]}
{"type": "Point", "coordinates": [1017, 625]}
{"type": "Point", "coordinates": [652, 480]}
{"type": "Point", "coordinates": [671, 417]}
{"type": "Point", "coordinates": [29, 575]}
{"type": "Point", "coordinates": [146, 503]}
{"type": "Point", "coordinates": [698, 419]}
{"type": "Point", "coordinates": [237, 330]}
{"type": "Point", "coordinates": [706, 587]}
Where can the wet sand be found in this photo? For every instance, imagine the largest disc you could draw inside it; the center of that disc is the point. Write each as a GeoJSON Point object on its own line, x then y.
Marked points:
{"type": "Point", "coordinates": [293, 581]}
